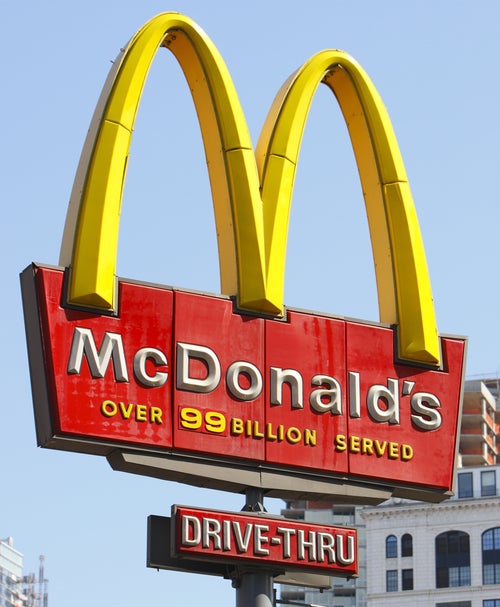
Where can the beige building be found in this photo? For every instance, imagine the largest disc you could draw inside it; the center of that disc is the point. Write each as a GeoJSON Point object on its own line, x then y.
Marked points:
{"type": "Point", "coordinates": [437, 555]}
{"type": "Point", "coordinates": [480, 430]}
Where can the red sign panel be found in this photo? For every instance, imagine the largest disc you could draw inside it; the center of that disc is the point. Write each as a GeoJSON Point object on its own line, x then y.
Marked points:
{"type": "Point", "coordinates": [264, 540]}
{"type": "Point", "coordinates": [182, 373]}
{"type": "Point", "coordinates": [211, 414]}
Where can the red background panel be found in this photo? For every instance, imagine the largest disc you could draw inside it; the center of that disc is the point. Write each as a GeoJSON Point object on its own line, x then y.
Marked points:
{"type": "Point", "coordinates": [210, 322]}
{"type": "Point", "coordinates": [145, 320]}
{"type": "Point", "coordinates": [312, 345]}
{"type": "Point", "coordinates": [370, 352]}
{"type": "Point", "coordinates": [347, 441]}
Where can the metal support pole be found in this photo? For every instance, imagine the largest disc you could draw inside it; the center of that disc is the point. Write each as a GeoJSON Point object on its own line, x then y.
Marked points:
{"type": "Point", "coordinates": [254, 589]}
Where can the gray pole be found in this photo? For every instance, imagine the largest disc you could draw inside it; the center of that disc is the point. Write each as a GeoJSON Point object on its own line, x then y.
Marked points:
{"type": "Point", "coordinates": [254, 589]}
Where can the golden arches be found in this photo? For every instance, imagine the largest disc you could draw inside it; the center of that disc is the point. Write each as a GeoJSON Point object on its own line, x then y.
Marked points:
{"type": "Point", "coordinates": [252, 228]}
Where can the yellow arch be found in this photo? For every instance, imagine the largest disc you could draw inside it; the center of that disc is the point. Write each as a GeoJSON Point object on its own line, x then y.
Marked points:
{"type": "Point", "coordinates": [91, 233]}
{"type": "Point", "coordinates": [252, 229]}
{"type": "Point", "coordinates": [403, 285]}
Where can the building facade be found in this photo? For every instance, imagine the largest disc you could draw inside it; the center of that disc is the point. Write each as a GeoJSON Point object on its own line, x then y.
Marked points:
{"type": "Point", "coordinates": [16, 588]}
{"type": "Point", "coordinates": [480, 429]}
{"type": "Point", "coordinates": [437, 555]}
{"type": "Point", "coordinates": [11, 571]}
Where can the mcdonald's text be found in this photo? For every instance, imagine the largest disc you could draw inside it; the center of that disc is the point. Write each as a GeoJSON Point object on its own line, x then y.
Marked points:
{"type": "Point", "coordinates": [243, 382]}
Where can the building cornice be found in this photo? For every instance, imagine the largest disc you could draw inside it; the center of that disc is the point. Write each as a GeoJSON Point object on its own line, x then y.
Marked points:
{"type": "Point", "coordinates": [395, 510]}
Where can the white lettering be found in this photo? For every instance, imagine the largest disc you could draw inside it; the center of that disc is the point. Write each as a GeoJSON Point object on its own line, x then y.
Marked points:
{"type": "Point", "coordinates": [426, 417]}
{"type": "Point", "coordinates": [294, 379]}
{"type": "Point", "coordinates": [242, 541]}
{"type": "Point", "coordinates": [286, 533]}
{"type": "Point", "coordinates": [326, 399]}
{"type": "Point", "coordinates": [354, 395]}
{"type": "Point", "coordinates": [345, 555]}
{"type": "Point", "coordinates": [388, 413]}
{"type": "Point", "coordinates": [259, 539]}
{"type": "Point", "coordinates": [190, 530]}
{"type": "Point", "coordinates": [251, 372]}
{"type": "Point", "coordinates": [326, 544]}
{"type": "Point", "coordinates": [198, 369]}
{"type": "Point", "coordinates": [83, 344]}
{"type": "Point", "coordinates": [139, 365]}
{"type": "Point", "coordinates": [211, 532]}
{"type": "Point", "coordinates": [185, 352]}
{"type": "Point", "coordinates": [303, 545]}
{"type": "Point", "coordinates": [226, 534]}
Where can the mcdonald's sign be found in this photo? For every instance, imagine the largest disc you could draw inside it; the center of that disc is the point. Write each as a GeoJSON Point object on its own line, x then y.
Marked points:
{"type": "Point", "coordinates": [238, 390]}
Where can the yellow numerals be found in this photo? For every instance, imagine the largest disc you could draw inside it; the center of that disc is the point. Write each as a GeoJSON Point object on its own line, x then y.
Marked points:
{"type": "Point", "coordinates": [204, 421]}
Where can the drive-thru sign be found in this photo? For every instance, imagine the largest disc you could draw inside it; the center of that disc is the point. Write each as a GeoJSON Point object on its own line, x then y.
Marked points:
{"type": "Point", "coordinates": [238, 390]}
{"type": "Point", "coordinates": [271, 542]}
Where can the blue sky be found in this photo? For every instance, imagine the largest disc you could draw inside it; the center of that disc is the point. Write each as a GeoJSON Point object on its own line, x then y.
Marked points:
{"type": "Point", "coordinates": [435, 65]}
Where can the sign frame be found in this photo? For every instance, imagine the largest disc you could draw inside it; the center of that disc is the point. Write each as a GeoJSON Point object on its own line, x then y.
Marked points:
{"type": "Point", "coordinates": [201, 469]}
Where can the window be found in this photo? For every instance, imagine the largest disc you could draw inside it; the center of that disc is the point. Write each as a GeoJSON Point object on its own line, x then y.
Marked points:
{"type": "Point", "coordinates": [491, 603]}
{"type": "Point", "coordinates": [407, 579]}
{"type": "Point", "coordinates": [407, 545]}
{"type": "Point", "coordinates": [465, 488]}
{"type": "Point", "coordinates": [391, 547]}
{"type": "Point", "coordinates": [391, 580]}
{"type": "Point", "coordinates": [488, 483]}
{"type": "Point", "coordinates": [491, 556]}
{"type": "Point", "coordinates": [454, 604]}
{"type": "Point", "coordinates": [452, 559]}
